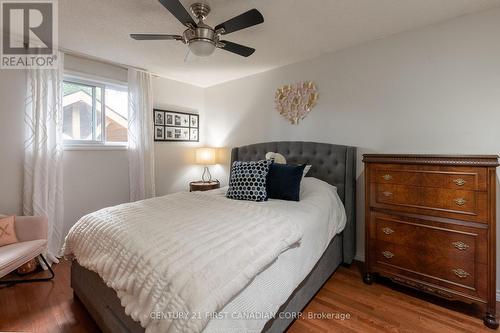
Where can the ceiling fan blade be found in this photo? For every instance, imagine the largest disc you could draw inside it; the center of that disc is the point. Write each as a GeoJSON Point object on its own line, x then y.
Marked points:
{"type": "Point", "coordinates": [177, 9]}
{"type": "Point", "coordinates": [155, 37]}
{"type": "Point", "coordinates": [245, 20]}
{"type": "Point", "coordinates": [242, 50]}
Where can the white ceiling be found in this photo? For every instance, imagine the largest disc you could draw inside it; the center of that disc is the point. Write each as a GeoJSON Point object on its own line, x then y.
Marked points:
{"type": "Point", "coordinates": [293, 30]}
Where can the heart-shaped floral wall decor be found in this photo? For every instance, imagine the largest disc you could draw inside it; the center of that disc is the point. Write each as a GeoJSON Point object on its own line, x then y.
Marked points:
{"type": "Point", "coordinates": [295, 101]}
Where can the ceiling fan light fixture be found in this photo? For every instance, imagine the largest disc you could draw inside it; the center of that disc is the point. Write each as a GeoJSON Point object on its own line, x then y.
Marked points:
{"type": "Point", "coordinates": [201, 38]}
{"type": "Point", "coordinates": [202, 48]}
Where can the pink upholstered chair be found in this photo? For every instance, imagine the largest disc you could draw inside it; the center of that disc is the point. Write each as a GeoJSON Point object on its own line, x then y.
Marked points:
{"type": "Point", "coordinates": [31, 232]}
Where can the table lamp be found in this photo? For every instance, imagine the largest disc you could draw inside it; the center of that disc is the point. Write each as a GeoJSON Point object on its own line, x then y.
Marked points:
{"type": "Point", "coordinates": [206, 157]}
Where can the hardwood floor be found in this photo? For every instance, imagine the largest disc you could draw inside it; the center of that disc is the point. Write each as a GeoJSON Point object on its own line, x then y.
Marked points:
{"type": "Point", "coordinates": [384, 307]}
{"type": "Point", "coordinates": [381, 307]}
{"type": "Point", "coordinates": [44, 306]}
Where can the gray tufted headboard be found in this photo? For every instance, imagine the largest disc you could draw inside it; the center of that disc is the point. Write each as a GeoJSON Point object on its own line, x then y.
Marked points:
{"type": "Point", "coordinates": [333, 164]}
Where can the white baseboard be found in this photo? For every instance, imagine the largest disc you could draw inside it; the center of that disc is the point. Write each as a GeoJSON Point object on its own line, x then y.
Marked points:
{"type": "Point", "coordinates": [361, 257]}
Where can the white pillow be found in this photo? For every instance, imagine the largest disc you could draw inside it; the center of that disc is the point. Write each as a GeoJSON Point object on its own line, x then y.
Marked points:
{"type": "Point", "coordinates": [276, 157]}
{"type": "Point", "coordinates": [306, 170]}
{"type": "Point", "coordinates": [280, 159]}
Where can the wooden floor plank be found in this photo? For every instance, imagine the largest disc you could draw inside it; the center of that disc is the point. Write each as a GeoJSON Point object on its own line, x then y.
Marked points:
{"type": "Point", "coordinates": [380, 307]}
{"type": "Point", "coordinates": [44, 307]}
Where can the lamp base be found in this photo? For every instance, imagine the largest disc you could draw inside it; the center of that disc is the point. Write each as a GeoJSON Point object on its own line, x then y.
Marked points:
{"type": "Point", "coordinates": [206, 177]}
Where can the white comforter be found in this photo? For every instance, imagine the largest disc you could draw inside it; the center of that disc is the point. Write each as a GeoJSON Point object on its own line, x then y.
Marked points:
{"type": "Point", "coordinates": [184, 255]}
{"type": "Point", "coordinates": [321, 215]}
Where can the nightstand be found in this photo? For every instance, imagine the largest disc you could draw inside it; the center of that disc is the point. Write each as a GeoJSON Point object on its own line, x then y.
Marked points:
{"type": "Point", "coordinates": [203, 186]}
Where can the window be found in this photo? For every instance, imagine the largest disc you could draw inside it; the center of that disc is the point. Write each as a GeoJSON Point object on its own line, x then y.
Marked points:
{"type": "Point", "coordinates": [94, 113]}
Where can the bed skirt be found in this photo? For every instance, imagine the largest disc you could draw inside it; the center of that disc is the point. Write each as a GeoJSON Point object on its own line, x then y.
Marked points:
{"type": "Point", "coordinates": [105, 308]}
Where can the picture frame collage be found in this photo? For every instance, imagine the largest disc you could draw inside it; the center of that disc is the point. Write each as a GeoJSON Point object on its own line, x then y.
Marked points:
{"type": "Point", "coordinates": [176, 126]}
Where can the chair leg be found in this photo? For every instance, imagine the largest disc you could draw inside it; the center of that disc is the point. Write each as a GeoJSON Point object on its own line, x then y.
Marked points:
{"type": "Point", "coordinates": [16, 281]}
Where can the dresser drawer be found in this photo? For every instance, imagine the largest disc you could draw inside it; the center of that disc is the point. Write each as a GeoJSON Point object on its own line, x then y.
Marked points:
{"type": "Point", "coordinates": [468, 205]}
{"type": "Point", "coordinates": [439, 239]}
{"type": "Point", "coordinates": [451, 270]}
{"type": "Point", "coordinates": [473, 179]}
{"type": "Point", "coordinates": [452, 276]}
{"type": "Point", "coordinates": [430, 225]}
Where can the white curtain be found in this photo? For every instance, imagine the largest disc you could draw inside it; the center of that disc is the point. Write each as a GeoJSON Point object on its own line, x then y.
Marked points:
{"type": "Point", "coordinates": [43, 174]}
{"type": "Point", "coordinates": [140, 136]}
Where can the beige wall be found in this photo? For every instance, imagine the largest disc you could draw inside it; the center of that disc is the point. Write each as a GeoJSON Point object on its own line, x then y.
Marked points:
{"type": "Point", "coordinates": [434, 90]}
{"type": "Point", "coordinates": [92, 68]}
{"type": "Point", "coordinates": [12, 93]}
{"type": "Point", "coordinates": [173, 160]}
{"type": "Point", "coordinates": [93, 179]}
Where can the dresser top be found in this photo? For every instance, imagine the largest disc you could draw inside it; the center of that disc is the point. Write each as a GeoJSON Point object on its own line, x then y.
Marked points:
{"type": "Point", "coordinates": [456, 160]}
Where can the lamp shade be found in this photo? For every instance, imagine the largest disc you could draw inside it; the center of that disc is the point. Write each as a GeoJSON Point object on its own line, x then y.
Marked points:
{"type": "Point", "coordinates": [205, 156]}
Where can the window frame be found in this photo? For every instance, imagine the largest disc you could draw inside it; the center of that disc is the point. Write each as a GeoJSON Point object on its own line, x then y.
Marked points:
{"type": "Point", "coordinates": [95, 144]}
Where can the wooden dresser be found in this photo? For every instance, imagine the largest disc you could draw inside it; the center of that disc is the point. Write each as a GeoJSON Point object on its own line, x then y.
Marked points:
{"type": "Point", "coordinates": [430, 225]}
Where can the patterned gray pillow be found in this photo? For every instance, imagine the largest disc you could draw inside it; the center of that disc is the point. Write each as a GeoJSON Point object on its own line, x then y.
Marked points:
{"type": "Point", "coordinates": [248, 180]}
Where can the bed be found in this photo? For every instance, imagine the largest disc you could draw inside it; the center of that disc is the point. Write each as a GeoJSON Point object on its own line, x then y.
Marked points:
{"type": "Point", "coordinates": [332, 164]}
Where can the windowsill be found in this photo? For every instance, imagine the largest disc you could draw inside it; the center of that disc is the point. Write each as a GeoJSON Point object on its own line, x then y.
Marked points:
{"type": "Point", "coordinates": [95, 147]}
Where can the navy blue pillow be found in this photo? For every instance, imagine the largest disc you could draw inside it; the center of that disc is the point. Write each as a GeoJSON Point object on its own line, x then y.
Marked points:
{"type": "Point", "coordinates": [283, 181]}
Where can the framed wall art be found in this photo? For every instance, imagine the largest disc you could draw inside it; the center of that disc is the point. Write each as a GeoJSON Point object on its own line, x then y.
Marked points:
{"type": "Point", "coordinates": [176, 126]}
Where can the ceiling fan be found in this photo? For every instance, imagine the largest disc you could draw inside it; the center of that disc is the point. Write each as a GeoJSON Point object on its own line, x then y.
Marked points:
{"type": "Point", "coordinates": [200, 37]}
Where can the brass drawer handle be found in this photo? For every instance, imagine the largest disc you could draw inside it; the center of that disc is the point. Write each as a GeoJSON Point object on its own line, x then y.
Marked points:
{"type": "Point", "coordinates": [460, 273]}
{"type": "Point", "coordinates": [387, 177]}
{"type": "Point", "coordinates": [460, 245]}
{"type": "Point", "coordinates": [387, 230]}
{"type": "Point", "coordinates": [459, 182]}
{"type": "Point", "coordinates": [387, 193]}
{"type": "Point", "coordinates": [460, 201]}
{"type": "Point", "coordinates": [388, 254]}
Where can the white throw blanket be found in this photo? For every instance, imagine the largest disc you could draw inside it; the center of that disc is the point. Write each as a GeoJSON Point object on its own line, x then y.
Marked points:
{"type": "Point", "coordinates": [185, 253]}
